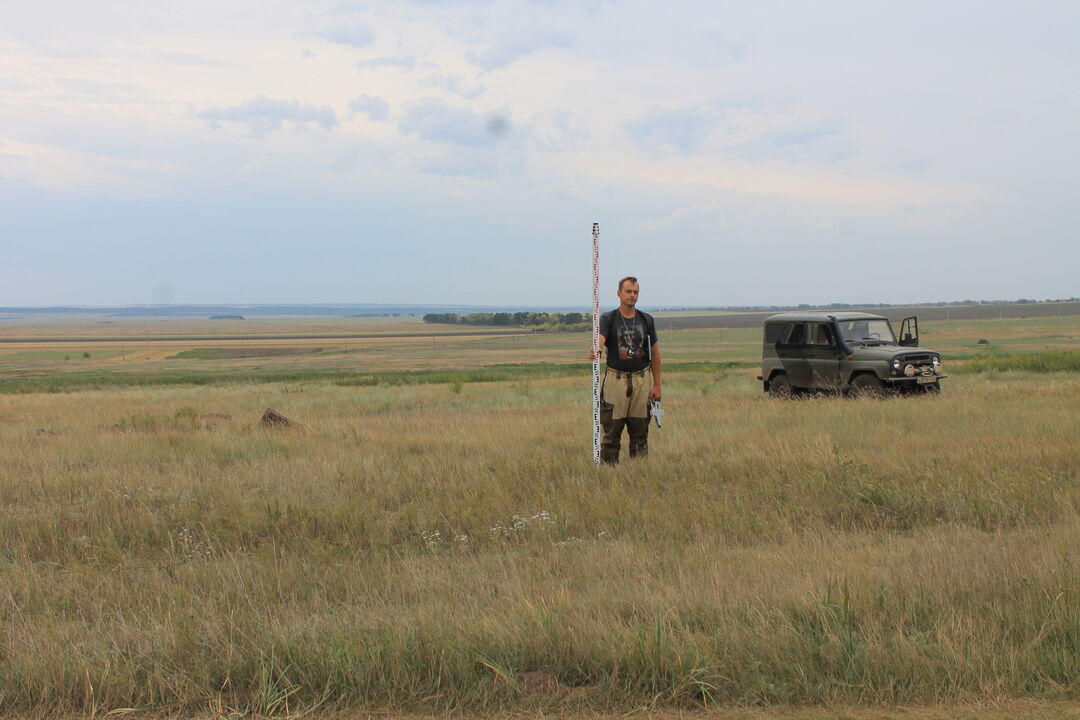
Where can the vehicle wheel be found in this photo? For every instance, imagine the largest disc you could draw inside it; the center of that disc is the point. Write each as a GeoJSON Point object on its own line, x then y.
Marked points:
{"type": "Point", "coordinates": [866, 385]}
{"type": "Point", "coordinates": [779, 387]}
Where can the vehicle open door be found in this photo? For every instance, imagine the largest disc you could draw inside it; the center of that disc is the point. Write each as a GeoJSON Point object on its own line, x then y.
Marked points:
{"type": "Point", "coordinates": [909, 332]}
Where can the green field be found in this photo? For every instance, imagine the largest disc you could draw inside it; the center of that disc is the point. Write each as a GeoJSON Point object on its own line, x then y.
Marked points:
{"type": "Point", "coordinates": [398, 348]}
{"type": "Point", "coordinates": [431, 536]}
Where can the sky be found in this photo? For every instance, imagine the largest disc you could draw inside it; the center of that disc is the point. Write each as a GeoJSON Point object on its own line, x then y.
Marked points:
{"type": "Point", "coordinates": [458, 151]}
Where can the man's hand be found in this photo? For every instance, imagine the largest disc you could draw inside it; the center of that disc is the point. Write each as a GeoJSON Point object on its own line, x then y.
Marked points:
{"type": "Point", "coordinates": [602, 343]}
{"type": "Point", "coordinates": [654, 394]}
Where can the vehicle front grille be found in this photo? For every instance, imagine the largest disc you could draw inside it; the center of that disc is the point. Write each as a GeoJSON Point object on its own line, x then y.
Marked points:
{"type": "Point", "coordinates": [923, 359]}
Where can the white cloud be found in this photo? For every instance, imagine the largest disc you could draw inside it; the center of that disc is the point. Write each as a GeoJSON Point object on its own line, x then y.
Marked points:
{"type": "Point", "coordinates": [344, 28]}
{"type": "Point", "coordinates": [700, 125]}
{"type": "Point", "coordinates": [511, 47]}
{"type": "Point", "coordinates": [66, 50]}
{"type": "Point", "coordinates": [820, 140]}
{"type": "Point", "coordinates": [456, 84]}
{"type": "Point", "coordinates": [374, 107]}
{"type": "Point", "coordinates": [461, 142]}
{"type": "Point", "coordinates": [182, 58]}
{"type": "Point", "coordinates": [434, 120]}
{"type": "Point", "coordinates": [13, 84]}
{"type": "Point", "coordinates": [261, 115]}
{"type": "Point", "coordinates": [558, 131]}
{"type": "Point", "coordinates": [405, 63]}
{"type": "Point", "coordinates": [93, 90]}
{"type": "Point", "coordinates": [682, 131]}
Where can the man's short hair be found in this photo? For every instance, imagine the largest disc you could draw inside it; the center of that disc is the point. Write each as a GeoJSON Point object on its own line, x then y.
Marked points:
{"type": "Point", "coordinates": [628, 278]}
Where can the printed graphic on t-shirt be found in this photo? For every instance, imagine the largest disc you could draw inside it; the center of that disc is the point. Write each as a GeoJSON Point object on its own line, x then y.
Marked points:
{"type": "Point", "coordinates": [630, 342]}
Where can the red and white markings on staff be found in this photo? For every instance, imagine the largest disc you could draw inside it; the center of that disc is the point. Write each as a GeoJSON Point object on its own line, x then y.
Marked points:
{"type": "Point", "coordinates": [596, 341]}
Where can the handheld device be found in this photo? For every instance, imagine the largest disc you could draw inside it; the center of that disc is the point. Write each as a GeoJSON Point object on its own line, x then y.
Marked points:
{"type": "Point", "coordinates": [657, 412]}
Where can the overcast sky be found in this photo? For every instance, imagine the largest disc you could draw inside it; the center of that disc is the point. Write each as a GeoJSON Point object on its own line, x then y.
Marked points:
{"type": "Point", "coordinates": [733, 153]}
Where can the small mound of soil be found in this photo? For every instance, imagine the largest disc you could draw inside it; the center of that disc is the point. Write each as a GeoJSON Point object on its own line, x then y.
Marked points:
{"type": "Point", "coordinates": [272, 418]}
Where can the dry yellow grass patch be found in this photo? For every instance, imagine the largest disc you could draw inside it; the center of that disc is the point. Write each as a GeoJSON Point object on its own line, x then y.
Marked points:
{"type": "Point", "coordinates": [416, 548]}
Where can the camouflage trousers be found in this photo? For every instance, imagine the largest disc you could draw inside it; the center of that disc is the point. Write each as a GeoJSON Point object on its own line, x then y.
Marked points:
{"type": "Point", "coordinates": [624, 403]}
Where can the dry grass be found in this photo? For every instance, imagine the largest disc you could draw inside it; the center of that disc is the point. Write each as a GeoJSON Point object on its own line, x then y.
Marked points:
{"type": "Point", "coordinates": [413, 548]}
{"type": "Point", "coordinates": [1011, 710]}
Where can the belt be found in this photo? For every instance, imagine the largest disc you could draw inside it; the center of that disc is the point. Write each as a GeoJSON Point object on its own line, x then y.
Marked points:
{"type": "Point", "coordinates": [620, 374]}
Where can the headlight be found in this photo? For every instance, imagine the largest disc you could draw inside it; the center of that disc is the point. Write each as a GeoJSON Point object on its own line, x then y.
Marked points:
{"type": "Point", "coordinates": [909, 370]}
{"type": "Point", "coordinates": [938, 367]}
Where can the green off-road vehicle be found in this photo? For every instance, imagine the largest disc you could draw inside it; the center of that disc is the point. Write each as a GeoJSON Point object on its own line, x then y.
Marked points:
{"type": "Point", "coordinates": [849, 352]}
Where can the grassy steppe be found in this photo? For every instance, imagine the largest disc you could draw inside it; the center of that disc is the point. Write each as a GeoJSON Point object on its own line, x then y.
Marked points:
{"type": "Point", "coordinates": [1050, 344]}
{"type": "Point", "coordinates": [417, 547]}
{"type": "Point", "coordinates": [433, 528]}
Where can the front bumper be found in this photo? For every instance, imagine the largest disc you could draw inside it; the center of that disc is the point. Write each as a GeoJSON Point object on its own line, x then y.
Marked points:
{"type": "Point", "coordinates": [904, 380]}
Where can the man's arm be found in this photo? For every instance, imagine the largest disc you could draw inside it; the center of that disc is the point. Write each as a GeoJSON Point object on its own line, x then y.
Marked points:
{"type": "Point", "coordinates": [603, 342]}
{"type": "Point", "coordinates": [654, 394]}
{"type": "Point", "coordinates": [601, 332]}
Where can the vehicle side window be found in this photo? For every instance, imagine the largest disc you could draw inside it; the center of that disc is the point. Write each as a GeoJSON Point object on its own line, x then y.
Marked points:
{"type": "Point", "coordinates": [820, 334]}
{"type": "Point", "coordinates": [797, 334]}
{"type": "Point", "coordinates": [772, 332]}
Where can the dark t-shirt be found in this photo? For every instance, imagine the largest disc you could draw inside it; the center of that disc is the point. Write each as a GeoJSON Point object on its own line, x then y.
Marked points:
{"type": "Point", "coordinates": [628, 341]}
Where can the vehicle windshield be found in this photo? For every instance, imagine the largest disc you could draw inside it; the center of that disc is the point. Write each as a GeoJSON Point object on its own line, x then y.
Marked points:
{"type": "Point", "coordinates": [867, 331]}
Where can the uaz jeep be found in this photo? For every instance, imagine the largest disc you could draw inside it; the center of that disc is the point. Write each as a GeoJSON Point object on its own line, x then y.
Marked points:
{"type": "Point", "coordinates": [847, 352]}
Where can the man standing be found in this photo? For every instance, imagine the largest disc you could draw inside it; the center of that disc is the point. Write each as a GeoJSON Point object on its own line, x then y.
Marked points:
{"type": "Point", "coordinates": [632, 378]}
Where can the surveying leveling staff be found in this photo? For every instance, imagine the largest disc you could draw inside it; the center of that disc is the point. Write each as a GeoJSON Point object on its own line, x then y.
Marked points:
{"type": "Point", "coordinates": [632, 378]}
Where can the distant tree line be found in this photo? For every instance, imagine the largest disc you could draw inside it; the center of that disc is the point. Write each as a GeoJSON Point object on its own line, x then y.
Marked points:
{"type": "Point", "coordinates": [863, 306]}
{"type": "Point", "coordinates": [939, 303]}
{"type": "Point", "coordinates": [561, 321]}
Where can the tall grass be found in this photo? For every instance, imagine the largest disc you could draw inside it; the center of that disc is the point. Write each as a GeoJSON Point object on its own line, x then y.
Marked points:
{"type": "Point", "coordinates": [409, 547]}
{"type": "Point", "coordinates": [1047, 361]}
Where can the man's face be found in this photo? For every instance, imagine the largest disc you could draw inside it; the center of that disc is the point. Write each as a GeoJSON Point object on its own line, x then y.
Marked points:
{"type": "Point", "coordinates": [628, 294]}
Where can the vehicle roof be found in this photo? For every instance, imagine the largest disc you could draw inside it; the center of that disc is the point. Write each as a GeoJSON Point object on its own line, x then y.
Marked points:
{"type": "Point", "coordinates": [821, 316]}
